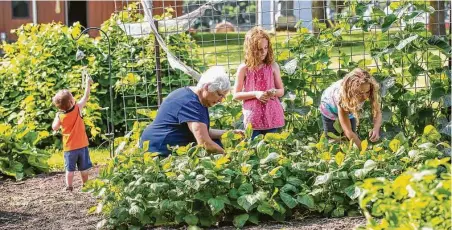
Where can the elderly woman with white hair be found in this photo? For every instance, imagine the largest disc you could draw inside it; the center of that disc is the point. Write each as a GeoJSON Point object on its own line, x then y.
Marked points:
{"type": "Point", "coordinates": [183, 117]}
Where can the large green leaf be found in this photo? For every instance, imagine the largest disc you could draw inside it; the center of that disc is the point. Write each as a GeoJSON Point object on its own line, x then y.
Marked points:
{"type": "Point", "coordinates": [288, 200]}
{"type": "Point", "coordinates": [306, 200]}
{"type": "Point", "coordinates": [388, 21]}
{"type": "Point", "coordinates": [437, 91]}
{"type": "Point", "coordinates": [246, 201]}
{"type": "Point", "coordinates": [265, 208]}
{"type": "Point", "coordinates": [406, 41]}
{"type": "Point", "coordinates": [245, 188]}
{"type": "Point", "coordinates": [323, 179]}
{"type": "Point", "coordinates": [159, 187]}
{"type": "Point", "coordinates": [204, 196]}
{"type": "Point", "coordinates": [439, 42]}
{"type": "Point", "coordinates": [216, 205]}
{"type": "Point", "coordinates": [191, 219]}
{"type": "Point", "coordinates": [240, 220]}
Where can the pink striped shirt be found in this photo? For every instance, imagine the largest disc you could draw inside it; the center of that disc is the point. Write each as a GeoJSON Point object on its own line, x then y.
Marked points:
{"type": "Point", "coordinates": [262, 116]}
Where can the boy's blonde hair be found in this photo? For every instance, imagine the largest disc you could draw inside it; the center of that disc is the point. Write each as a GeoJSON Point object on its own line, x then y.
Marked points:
{"type": "Point", "coordinates": [251, 48]}
{"type": "Point", "coordinates": [349, 92]}
{"type": "Point", "coordinates": [63, 100]}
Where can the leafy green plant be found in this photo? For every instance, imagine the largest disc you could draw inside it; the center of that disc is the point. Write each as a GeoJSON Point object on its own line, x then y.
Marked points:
{"type": "Point", "coordinates": [272, 176]}
{"type": "Point", "coordinates": [39, 64]}
{"type": "Point", "coordinates": [404, 54]}
{"type": "Point", "coordinates": [227, 114]}
{"type": "Point", "coordinates": [19, 156]}
{"type": "Point", "coordinates": [417, 199]}
{"type": "Point", "coordinates": [43, 61]}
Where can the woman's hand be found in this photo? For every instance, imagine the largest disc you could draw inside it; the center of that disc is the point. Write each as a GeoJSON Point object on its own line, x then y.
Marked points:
{"type": "Point", "coordinates": [374, 135]}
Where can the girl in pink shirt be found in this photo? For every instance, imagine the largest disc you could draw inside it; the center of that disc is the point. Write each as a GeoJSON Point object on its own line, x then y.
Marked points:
{"type": "Point", "coordinates": [259, 85]}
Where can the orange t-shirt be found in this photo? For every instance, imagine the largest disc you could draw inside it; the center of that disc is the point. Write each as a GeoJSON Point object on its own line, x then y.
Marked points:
{"type": "Point", "coordinates": [73, 128]}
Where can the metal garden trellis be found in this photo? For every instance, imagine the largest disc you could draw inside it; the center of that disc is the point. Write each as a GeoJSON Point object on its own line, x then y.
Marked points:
{"type": "Point", "coordinates": [230, 54]}
{"type": "Point", "coordinates": [110, 123]}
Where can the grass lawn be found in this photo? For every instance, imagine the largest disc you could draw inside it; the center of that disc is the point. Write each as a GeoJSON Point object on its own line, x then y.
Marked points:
{"type": "Point", "coordinates": [232, 55]}
{"type": "Point", "coordinates": [227, 48]}
{"type": "Point", "coordinates": [98, 157]}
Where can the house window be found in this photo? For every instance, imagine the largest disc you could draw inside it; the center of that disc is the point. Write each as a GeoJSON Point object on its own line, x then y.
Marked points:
{"type": "Point", "coordinates": [20, 9]}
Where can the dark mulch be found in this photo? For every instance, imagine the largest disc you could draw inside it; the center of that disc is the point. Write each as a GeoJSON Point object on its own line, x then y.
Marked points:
{"type": "Point", "coordinates": [42, 203]}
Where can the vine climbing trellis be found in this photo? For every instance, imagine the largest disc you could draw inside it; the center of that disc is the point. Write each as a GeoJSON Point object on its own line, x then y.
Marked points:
{"type": "Point", "coordinates": [315, 43]}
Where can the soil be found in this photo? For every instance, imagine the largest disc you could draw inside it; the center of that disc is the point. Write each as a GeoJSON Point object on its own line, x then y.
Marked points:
{"type": "Point", "coordinates": [42, 203]}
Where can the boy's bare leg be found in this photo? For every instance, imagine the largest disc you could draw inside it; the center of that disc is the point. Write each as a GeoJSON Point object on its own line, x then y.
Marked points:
{"type": "Point", "coordinates": [84, 175]}
{"type": "Point", "coordinates": [69, 178]}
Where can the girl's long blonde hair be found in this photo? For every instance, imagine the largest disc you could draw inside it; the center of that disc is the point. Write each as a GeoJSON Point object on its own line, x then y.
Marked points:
{"type": "Point", "coordinates": [349, 92]}
{"type": "Point", "coordinates": [251, 48]}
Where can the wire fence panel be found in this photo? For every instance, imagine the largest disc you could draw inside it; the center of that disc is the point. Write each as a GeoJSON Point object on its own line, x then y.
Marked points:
{"type": "Point", "coordinates": [343, 34]}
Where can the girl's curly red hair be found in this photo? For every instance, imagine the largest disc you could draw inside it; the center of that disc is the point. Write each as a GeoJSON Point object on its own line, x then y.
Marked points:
{"type": "Point", "coordinates": [251, 48]}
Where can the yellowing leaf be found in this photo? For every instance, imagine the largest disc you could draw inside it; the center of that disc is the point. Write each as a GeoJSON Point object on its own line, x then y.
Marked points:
{"type": "Point", "coordinates": [91, 59]}
{"type": "Point", "coordinates": [94, 132]}
{"type": "Point", "coordinates": [146, 145]}
{"type": "Point", "coordinates": [384, 224]}
{"type": "Point", "coordinates": [132, 78]}
{"type": "Point", "coordinates": [246, 168]}
{"type": "Point", "coordinates": [284, 55]}
{"type": "Point", "coordinates": [377, 148]}
{"type": "Point", "coordinates": [276, 136]}
{"type": "Point", "coordinates": [303, 30]}
{"type": "Point", "coordinates": [394, 5]}
{"type": "Point", "coordinates": [28, 99]}
{"type": "Point", "coordinates": [237, 136]}
{"type": "Point", "coordinates": [401, 181]}
{"type": "Point", "coordinates": [182, 149]}
{"type": "Point", "coordinates": [394, 145]}
{"type": "Point", "coordinates": [284, 161]}
{"type": "Point", "coordinates": [223, 160]}
{"type": "Point", "coordinates": [147, 157]}
{"type": "Point", "coordinates": [429, 129]}
{"type": "Point", "coordinates": [152, 114]}
{"type": "Point", "coordinates": [170, 174]}
{"type": "Point", "coordinates": [364, 145]}
{"type": "Point", "coordinates": [319, 146]}
{"type": "Point", "coordinates": [380, 157]}
{"type": "Point", "coordinates": [275, 191]}
{"type": "Point", "coordinates": [4, 127]}
{"type": "Point", "coordinates": [326, 156]}
{"type": "Point", "coordinates": [167, 165]}
{"type": "Point", "coordinates": [75, 31]}
{"type": "Point", "coordinates": [274, 171]}
{"type": "Point", "coordinates": [43, 134]}
{"type": "Point", "coordinates": [339, 158]}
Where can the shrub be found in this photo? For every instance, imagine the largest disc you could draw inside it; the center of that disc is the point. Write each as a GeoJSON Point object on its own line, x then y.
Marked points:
{"type": "Point", "coordinates": [19, 156]}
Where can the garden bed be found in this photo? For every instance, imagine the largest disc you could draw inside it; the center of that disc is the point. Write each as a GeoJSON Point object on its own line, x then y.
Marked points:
{"type": "Point", "coordinates": [42, 203]}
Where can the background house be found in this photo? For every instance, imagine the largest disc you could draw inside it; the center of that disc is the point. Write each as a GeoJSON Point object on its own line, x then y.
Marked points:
{"type": "Point", "coordinates": [89, 13]}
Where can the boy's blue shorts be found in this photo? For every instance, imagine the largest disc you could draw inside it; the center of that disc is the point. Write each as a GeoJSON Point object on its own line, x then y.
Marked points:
{"type": "Point", "coordinates": [79, 157]}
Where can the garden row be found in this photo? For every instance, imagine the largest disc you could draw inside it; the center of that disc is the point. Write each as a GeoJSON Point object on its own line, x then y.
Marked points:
{"type": "Point", "coordinates": [279, 176]}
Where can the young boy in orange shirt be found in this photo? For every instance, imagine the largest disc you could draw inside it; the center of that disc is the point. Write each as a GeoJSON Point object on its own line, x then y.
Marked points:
{"type": "Point", "coordinates": [75, 140]}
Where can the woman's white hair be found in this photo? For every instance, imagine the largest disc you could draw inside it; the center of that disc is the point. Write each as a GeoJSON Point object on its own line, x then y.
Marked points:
{"type": "Point", "coordinates": [216, 78]}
